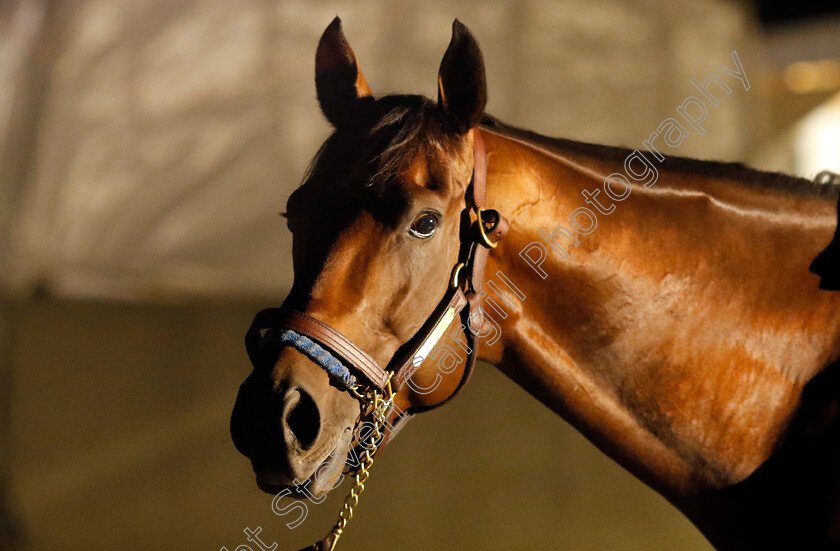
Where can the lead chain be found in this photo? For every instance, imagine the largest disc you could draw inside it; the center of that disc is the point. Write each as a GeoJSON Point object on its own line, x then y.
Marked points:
{"type": "Point", "coordinates": [379, 410]}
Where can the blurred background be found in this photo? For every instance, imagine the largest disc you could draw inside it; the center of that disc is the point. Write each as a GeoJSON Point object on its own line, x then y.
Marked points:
{"type": "Point", "coordinates": [146, 148]}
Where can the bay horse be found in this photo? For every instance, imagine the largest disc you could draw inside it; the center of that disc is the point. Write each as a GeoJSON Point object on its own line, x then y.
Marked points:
{"type": "Point", "coordinates": [685, 336]}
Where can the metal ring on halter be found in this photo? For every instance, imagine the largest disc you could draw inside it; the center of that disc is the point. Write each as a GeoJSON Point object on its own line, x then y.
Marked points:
{"type": "Point", "coordinates": [364, 394]}
{"type": "Point", "coordinates": [479, 212]}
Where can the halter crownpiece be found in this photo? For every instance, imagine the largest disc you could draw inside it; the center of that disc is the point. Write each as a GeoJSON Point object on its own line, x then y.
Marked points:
{"type": "Point", "coordinates": [358, 373]}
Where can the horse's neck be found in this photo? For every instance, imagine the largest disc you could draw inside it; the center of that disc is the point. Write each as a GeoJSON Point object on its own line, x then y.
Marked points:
{"type": "Point", "coordinates": [679, 333]}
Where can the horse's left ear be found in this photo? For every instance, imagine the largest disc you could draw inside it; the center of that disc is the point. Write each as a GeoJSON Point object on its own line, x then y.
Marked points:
{"type": "Point", "coordinates": [462, 90]}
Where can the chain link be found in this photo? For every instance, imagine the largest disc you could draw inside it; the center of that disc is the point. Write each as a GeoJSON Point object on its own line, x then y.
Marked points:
{"type": "Point", "coordinates": [379, 405]}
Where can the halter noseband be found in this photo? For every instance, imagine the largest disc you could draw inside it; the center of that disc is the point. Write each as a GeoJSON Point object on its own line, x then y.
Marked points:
{"type": "Point", "coordinates": [356, 372]}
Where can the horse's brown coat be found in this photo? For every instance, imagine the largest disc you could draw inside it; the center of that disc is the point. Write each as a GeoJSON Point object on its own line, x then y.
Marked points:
{"type": "Point", "coordinates": [680, 334]}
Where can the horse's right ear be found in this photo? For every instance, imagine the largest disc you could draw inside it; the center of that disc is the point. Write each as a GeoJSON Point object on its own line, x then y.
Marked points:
{"type": "Point", "coordinates": [341, 87]}
{"type": "Point", "coordinates": [462, 90]}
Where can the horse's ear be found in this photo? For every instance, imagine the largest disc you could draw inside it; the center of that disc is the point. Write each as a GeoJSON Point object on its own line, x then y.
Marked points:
{"type": "Point", "coordinates": [462, 90]}
{"type": "Point", "coordinates": [341, 87]}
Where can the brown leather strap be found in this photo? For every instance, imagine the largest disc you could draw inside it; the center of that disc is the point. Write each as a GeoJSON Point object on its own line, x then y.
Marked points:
{"type": "Point", "coordinates": [422, 344]}
{"type": "Point", "coordinates": [493, 225]}
{"type": "Point", "coordinates": [350, 354]}
{"type": "Point", "coordinates": [338, 343]}
{"type": "Point", "coordinates": [479, 168]}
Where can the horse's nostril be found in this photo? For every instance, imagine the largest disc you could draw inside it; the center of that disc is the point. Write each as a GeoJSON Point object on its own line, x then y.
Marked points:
{"type": "Point", "coordinates": [303, 420]}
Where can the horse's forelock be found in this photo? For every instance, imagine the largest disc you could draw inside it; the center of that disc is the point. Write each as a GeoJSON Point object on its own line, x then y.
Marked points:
{"type": "Point", "coordinates": [371, 153]}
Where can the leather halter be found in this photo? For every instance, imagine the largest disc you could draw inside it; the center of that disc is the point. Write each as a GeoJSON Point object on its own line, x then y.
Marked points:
{"type": "Point", "coordinates": [462, 297]}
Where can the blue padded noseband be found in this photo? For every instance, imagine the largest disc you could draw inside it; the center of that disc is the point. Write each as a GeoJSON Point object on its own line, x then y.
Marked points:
{"type": "Point", "coordinates": [314, 351]}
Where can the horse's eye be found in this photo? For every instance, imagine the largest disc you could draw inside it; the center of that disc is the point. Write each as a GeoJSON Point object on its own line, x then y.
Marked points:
{"type": "Point", "coordinates": [424, 225]}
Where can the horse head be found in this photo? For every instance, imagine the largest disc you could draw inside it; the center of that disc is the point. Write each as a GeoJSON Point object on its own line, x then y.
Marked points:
{"type": "Point", "coordinates": [377, 227]}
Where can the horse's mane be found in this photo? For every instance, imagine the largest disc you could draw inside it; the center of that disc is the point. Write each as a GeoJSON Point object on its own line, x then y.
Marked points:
{"type": "Point", "coordinates": [389, 131]}
{"type": "Point", "coordinates": [713, 169]}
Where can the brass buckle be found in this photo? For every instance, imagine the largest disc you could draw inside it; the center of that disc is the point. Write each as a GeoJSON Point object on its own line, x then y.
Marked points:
{"type": "Point", "coordinates": [486, 240]}
{"type": "Point", "coordinates": [456, 271]}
